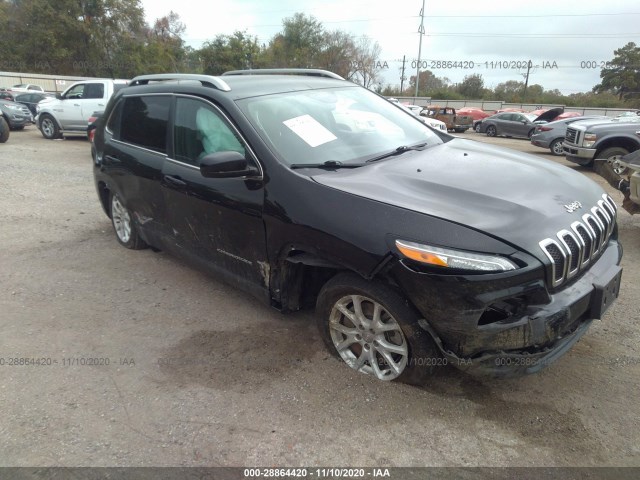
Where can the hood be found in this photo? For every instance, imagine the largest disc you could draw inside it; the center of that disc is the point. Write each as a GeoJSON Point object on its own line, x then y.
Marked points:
{"type": "Point", "coordinates": [549, 115]}
{"type": "Point", "coordinates": [605, 121]}
{"type": "Point", "coordinates": [512, 196]}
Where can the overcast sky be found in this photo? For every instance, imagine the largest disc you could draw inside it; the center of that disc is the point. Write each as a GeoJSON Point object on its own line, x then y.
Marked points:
{"type": "Point", "coordinates": [566, 41]}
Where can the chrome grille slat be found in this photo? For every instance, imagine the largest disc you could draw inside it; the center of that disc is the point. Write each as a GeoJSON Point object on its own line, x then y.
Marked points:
{"type": "Point", "coordinates": [573, 249]}
{"type": "Point", "coordinates": [571, 135]}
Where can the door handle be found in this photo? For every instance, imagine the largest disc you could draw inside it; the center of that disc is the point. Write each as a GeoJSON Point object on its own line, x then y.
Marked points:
{"type": "Point", "coordinates": [174, 181]}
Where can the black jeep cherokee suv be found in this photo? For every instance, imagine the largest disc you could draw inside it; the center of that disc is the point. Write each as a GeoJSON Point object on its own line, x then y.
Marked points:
{"type": "Point", "coordinates": [417, 248]}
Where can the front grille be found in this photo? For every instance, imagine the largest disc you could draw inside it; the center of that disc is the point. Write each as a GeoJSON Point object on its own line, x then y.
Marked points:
{"type": "Point", "coordinates": [571, 136]}
{"type": "Point", "coordinates": [573, 249]}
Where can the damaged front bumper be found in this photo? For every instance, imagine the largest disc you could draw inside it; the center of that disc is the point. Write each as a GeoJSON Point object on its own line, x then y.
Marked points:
{"type": "Point", "coordinates": [542, 326]}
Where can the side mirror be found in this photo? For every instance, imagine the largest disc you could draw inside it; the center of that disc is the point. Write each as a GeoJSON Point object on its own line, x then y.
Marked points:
{"type": "Point", "coordinates": [59, 96]}
{"type": "Point", "coordinates": [227, 164]}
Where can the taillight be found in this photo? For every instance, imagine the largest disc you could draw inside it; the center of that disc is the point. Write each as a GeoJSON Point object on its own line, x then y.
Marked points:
{"type": "Point", "coordinates": [92, 133]}
{"type": "Point", "coordinates": [544, 129]}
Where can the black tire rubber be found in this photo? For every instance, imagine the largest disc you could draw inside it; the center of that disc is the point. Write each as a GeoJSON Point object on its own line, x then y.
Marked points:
{"type": "Point", "coordinates": [423, 356]}
{"type": "Point", "coordinates": [4, 130]}
{"type": "Point", "coordinates": [477, 127]}
{"type": "Point", "coordinates": [491, 131]}
{"type": "Point", "coordinates": [55, 129]}
{"type": "Point", "coordinates": [554, 144]}
{"type": "Point", "coordinates": [135, 242]}
{"type": "Point", "coordinates": [530, 134]}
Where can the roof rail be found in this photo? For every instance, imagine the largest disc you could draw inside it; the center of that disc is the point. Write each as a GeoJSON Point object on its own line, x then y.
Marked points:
{"type": "Point", "coordinates": [314, 72]}
{"type": "Point", "coordinates": [205, 80]}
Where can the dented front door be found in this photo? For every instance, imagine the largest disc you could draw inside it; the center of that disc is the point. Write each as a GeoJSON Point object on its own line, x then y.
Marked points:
{"type": "Point", "coordinates": [216, 220]}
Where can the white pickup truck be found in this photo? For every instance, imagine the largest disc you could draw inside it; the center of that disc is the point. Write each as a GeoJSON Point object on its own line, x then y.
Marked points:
{"type": "Point", "coordinates": [67, 114]}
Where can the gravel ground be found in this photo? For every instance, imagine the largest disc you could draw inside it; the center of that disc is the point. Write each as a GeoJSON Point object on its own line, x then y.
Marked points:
{"type": "Point", "coordinates": [145, 361]}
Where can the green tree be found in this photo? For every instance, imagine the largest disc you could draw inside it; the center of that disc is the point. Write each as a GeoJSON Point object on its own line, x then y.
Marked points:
{"type": "Point", "coordinates": [622, 75]}
{"type": "Point", "coordinates": [509, 91]}
{"type": "Point", "coordinates": [472, 86]}
{"type": "Point", "coordinates": [229, 52]}
{"type": "Point", "coordinates": [299, 44]}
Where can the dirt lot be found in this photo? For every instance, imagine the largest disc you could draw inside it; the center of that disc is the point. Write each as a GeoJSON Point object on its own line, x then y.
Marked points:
{"type": "Point", "coordinates": [191, 372]}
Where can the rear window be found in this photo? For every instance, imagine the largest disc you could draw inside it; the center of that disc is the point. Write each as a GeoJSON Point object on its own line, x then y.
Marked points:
{"type": "Point", "coordinates": [145, 120]}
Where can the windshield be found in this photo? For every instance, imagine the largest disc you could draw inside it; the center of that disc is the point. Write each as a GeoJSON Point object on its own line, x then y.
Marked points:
{"type": "Point", "coordinates": [346, 125]}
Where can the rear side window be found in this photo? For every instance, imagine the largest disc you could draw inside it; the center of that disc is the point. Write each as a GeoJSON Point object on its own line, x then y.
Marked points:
{"type": "Point", "coordinates": [93, 90]}
{"type": "Point", "coordinates": [145, 120]}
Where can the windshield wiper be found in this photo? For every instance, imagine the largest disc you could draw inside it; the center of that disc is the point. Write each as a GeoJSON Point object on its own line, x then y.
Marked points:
{"type": "Point", "coordinates": [329, 164]}
{"type": "Point", "coordinates": [398, 151]}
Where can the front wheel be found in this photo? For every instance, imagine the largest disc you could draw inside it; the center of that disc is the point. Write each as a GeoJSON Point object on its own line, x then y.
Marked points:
{"type": "Point", "coordinates": [374, 330]}
{"type": "Point", "coordinates": [477, 127]}
{"type": "Point", "coordinates": [491, 131]}
{"type": "Point", "coordinates": [49, 127]}
{"type": "Point", "coordinates": [530, 134]}
{"type": "Point", "coordinates": [556, 147]}
{"type": "Point", "coordinates": [613, 155]}
{"type": "Point", "coordinates": [126, 232]}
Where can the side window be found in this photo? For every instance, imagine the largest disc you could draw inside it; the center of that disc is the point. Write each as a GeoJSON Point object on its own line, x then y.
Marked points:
{"type": "Point", "coordinates": [113, 123]}
{"type": "Point", "coordinates": [200, 130]}
{"type": "Point", "coordinates": [144, 121]}
{"type": "Point", "coordinates": [93, 90]}
{"type": "Point", "coordinates": [76, 92]}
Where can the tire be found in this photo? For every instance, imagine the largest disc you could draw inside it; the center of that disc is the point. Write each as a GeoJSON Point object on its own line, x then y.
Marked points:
{"type": "Point", "coordinates": [477, 127]}
{"type": "Point", "coordinates": [460, 130]}
{"type": "Point", "coordinates": [125, 230]}
{"type": "Point", "coordinates": [4, 130]}
{"type": "Point", "coordinates": [397, 348]}
{"type": "Point", "coordinates": [49, 127]}
{"type": "Point", "coordinates": [530, 134]}
{"type": "Point", "coordinates": [491, 131]}
{"type": "Point", "coordinates": [556, 147]}
{"type": "Point", "coordinates": [614, 154]}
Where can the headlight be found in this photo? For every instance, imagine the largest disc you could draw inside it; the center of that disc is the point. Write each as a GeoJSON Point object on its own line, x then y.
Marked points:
{"type": "Point", "coordinates": [13, 107]}
{"type": "Point", "coordinates": [455, 259]}
{"type": "Point", "coordinates": [589, 140]}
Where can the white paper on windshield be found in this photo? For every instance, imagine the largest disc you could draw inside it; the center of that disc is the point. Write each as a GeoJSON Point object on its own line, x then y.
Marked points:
{"type": "Point", "coordinates": [310, 130]}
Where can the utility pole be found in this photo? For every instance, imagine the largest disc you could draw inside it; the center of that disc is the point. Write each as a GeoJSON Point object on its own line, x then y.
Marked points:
{"type": "Point", "coordinates": [402, 77]}
{"type": "Point", "coordinates": [421, 32]}
{"type": "Point", "coordinates": [526, 81]}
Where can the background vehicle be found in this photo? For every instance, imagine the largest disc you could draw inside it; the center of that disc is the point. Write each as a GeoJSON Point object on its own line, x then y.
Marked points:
{"type": "Point", "coordinates": [628, 183]}
{"type": "Point", "coordinates": [68, 113]}
{"type": "Point", "coordinates": [31, 100]}
{"type": "Point", "coordinates": [27, 87]}
{"type": "Point", "coordinates": [515, 124]}
{"type": "Point", "coordinates": [608, 139]}
{"type": "Point", "coordinates": [551, 135]}
{"type": "Point", "coordinates": [477, 114]}
{"type": "Point", "coordinates": [456, 122]}
{"type": "Point", "coordinates": [15, 114]}
{"type": "Point", "coordinates": [6, 95]}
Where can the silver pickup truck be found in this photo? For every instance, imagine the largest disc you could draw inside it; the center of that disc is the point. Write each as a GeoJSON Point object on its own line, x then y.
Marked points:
{"type": "Point", "coordinates": [610, 140]}
{"type": "Point", "coordinates": [67, 114]}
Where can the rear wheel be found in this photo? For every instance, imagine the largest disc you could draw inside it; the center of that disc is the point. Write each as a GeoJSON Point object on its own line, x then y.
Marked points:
{"type": "Point", "coordinates": [126, 232]}
{"type": "Point", "coordinates": [556, 147]}
{"type": "Point", "coordinates": [491, 131]}
{"type": "Point", "coordinates": [613, 155]}
{"type": "Point", "coordinates": [374, 330]}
